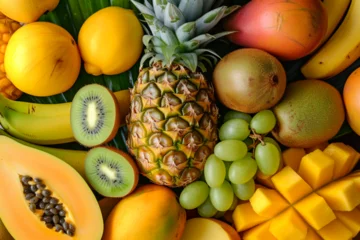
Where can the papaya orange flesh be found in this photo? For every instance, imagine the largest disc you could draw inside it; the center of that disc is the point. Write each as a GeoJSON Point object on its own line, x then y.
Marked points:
{"type": "Point", "coordinates": [79, 203]}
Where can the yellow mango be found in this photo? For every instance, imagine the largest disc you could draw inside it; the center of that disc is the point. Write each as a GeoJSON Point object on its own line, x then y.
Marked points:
{"type": "Point", "coordinates": [288, 225]}
{"type": "Point", "coordinates": [350, 219]}
{"type": "Point", "coordinates": [264, 179]}
{"type": "Point", "coordinates": [335, 230]}
{"type": "Point", "coordinates": [267, 202]}
{"type": "Point", "coordinates": [245, 217]}
{"type": "Point", "coordinates": [260, 232]}
{"type": "Point", "coordinates": [316, 168]}
{"type": "Point", "coordinates": [341, 195]}
{"type": "Point", "coordinates": [320, 146]}
{"type": "Point", "coordinates": [292, 157]}
{"type": "Point", "coordinates": [312, 235]}
{"type": "Point", "coordinates": [344, 157]}
{"type": "Point", "coordinates": [291, 185]}
{"type": "Point", "coordinates": [315, 211]}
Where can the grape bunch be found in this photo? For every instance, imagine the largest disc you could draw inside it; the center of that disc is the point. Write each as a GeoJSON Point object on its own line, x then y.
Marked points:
{"type": "Point", "coordinates": [243, 152]}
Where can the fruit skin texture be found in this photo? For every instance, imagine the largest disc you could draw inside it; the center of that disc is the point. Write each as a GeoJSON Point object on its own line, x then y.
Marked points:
{"type": "Point", "coordinates": [249, 80]}
{"type": "Point", "coordinates": [27, 11]}
{"type": "Point", "coordinates": [106, 206]}
{"type": "Point", "coordinates": [47, 63]}
{"type": "Point", "coordinates": [78, 199]}
{"type": "Point", "coordinates": [288, 30]}
{"type": "Point", "coordinates": [110, 41]}
{"type": "Point", "coordinates": [209, 228]}
{"type": "Point", "coordinates": [8, 27]}
{"type": "Point", "coordinates": [151, 212]}
{"type": "Point", "coordinates": [4, 234]}
{"type": "Point", "coordinates": [351, 95]}
{"type": "Point", "coordinates": [311, 112]}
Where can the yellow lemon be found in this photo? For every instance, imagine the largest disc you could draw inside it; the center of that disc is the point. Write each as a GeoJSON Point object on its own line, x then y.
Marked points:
{"type": "Point", "coordinates": [110, 41]}
{"type": "Point", "coordinates": [27, 11]}
{"type": "Point", "coordinates": [42, 59]}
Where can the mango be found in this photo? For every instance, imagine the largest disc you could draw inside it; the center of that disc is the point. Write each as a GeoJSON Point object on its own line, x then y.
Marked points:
{"type": "Point", "coordinates": [350, 219]}
{"type": "Point", "coordinates": [259, 232]}
{"type": "Point", "coordinates": [335, 230]}
{"type": "Point", "coordinates": [292, 157]}
{"type": "Point", "coordinates": [245, 217]}
{"type": "Point", "coordinates": [320, 146]}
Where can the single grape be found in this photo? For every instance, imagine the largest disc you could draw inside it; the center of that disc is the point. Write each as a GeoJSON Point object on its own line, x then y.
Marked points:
{"type": "Point", "coordinates": [214, 171]}
{"type": "Point", "coordinates": [207, 209]}
{"type": "Point", "coordinates": [241, 171]}
{"type": "Point", "coordinates": [235, 203]}
{"type": "Point", "coordinates": [263, 122]}
{"type": "Point", "coordinates": [237, 115]}
{"type": "Point", "coordinates": [219, 214]}
{"type": "Point", "coordinates": [244, 191]}
{"type": "Point", "coordinates": [234, 129]}
{"type": "Point", "coordinates": [222, 197]}
{"type": "Point", "coordinates": [273, 141]}
{"type": "Point", "coordinates": [194, 194]}
{"type": "Point", "coordinates": [267, 158]}
{"type": "Point", "coordinates": [230, 150]}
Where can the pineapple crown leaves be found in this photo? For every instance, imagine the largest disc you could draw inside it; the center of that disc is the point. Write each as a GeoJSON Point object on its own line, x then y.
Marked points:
{"type": "Point", "coordinates": [178, 31]}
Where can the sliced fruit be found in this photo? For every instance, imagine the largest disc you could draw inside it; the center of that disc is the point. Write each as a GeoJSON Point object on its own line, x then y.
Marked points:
{"type": "Point", "coordinates": [320, 146]}
{"type": "Point", "coordinates": [335, 230]}
{"type": "Point", "coordinates": [316, 168]}
{"type": "Point", "coordinates": [259, 232]}
{"type": "Point", "coordinates": [32, 180]}
{"type": "Point", "coordinates": [4, 234]}
{"type": "Point", "coordinates": [245, 217]}
{"type": "Point", "coordinates": [151, 212]}
{"type": "Point", "coordinates": [288, 225]}
{"type": "Point", "coordinates": [350, 219]}
{"type": "Point", "coordinates": [208, 228]}
{"type": "Point", "coordinates": [312, 235]}
{"type": "Point", "coordinates": [111, 172]}
{"type": "Point", "coordinates": [292, 157]}
{"type": "Point", "coordinates": [290, 185]}
{"type": "Point", "coordinates": [315, 211]}
{"type": "Point", "coordinates": [95, 117]}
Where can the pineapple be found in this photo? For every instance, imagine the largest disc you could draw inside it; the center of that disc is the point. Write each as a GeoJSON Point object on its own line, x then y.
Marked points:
{"type": "Point", "coordinates": [172, 122]}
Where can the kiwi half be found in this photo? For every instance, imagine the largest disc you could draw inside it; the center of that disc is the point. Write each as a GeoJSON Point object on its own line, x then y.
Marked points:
{"type": "Point", "coordinates": [95, 117]}
{"type": "Point", "coordinates": [111, 172]}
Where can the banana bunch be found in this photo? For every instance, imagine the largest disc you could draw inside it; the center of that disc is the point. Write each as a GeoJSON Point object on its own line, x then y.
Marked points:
{"type": "Point", "coordinates": [45, 124]}
{"type": "Point", "coordinates": [343, 47]}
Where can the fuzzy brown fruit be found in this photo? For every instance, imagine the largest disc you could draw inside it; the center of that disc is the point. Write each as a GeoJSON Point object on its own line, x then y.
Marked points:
{"type": "Point", "coordinates": [249, 80]}
{"type": "Point", "coordinates": [311, 112]}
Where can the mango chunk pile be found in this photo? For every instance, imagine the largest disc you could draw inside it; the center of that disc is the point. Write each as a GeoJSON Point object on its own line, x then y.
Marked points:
{"type": "Point", "coordinates": [311, 197]}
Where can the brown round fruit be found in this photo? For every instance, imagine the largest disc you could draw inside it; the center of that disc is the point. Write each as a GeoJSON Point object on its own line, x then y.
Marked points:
{"type": "Point", "coordinates": [351, 96]}
{"type": "Point", "coordinates": [311, 112]}
{"type": "Point", "coordinates": [249, 80]}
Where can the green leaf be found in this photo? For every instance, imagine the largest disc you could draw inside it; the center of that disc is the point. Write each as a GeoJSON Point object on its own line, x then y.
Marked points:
{"type": "Point", "coordinates": [186, 31]}
{"type": "Point", "coordinates": [189, 60]}
{"type": "Point", "coordinates": [209, 20]}
{"type": "Point", "coordinates": [159, 8]}
{"type": "Point", "coordinates": [173, 17]}
{"type": "Point", "coordinates": [192, 9]}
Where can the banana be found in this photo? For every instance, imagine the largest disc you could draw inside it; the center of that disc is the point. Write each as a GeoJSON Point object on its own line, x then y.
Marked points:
{"type": "Point", "coordinates": [340, 51]}
{"type": "Point", "coordinates": [44, 126]}
{"type": "Point", "coordinates": [75, 158]}
{"type": "Point", "coordinates": [335, 10]}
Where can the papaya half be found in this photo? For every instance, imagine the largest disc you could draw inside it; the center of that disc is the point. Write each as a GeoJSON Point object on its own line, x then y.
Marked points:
{"type": "Point", "coordinates": [42, 197]}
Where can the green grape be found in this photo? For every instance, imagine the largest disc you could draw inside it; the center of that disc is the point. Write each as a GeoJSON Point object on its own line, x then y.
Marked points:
{"type": "Point", "coordinates": [194, 194]}
{"type": "Point", "coordinates": [207, 209]}
{"type": "Point", "coordinates": [241, 171]}
{"type": "Point", "coordinates": [267, 158]}
{"type": "Point", "coordinates": [214, 171]}
{"type": "Point", "coordinates": [263, 122]}
{"type": "Point", "coordinates": [235, 203]}
{"type": "Point", "coordinates": [219, 214]}
{"type": "Point", "coordinates": [230, 150]}
{"type": "Point", "coordinates": [273, 141]}
{"type": "Point", "coordinates": [244, 191]}
{"type": "Point", "coordinates": [222, 197]}
{"type": "Point", "coordinates": [227, 167]}
{"type": "Point", "coordinates": [234, 129]}
{"type": "Point", "coordinates": [237, 115]}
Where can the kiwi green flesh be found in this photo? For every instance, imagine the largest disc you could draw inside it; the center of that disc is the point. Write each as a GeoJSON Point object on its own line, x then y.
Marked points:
{"type": "Point", "coordinates": [109, 173]}
{"type": "Point", "coordinates": [94, 115]}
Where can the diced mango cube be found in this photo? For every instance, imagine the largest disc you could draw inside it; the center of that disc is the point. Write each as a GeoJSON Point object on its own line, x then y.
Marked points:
{"type": "Point", "coordinates": [312, 235]}
{"type": "Point", "coordinates": [264, 180]}
{"type": "Point", "coordinates": [316, 168]}
{"type": "Point", "coordinates": [288, 225]}
{"type": "Point", "coordinates": [344, 157]}
{"type": "Point", "coordinates": [357, 158]}
{"type": "Point", "coordinates": [260, 232]}
{"type": "Point", "coordinates": [351, 220]}
{"type": "Point", "coordinates": [267, 202]}
{"type": "Point", "coordinates": [315, 211]}
{"type": "Point", "coordinates": [342, 195]}
{"type": "Point", "coordinates": [335, 230]}
{"type": "Point", "coordinates": [290, 184]}
{"type": "Point", "coordinates": [292, 157]}
{"type": "Point", "coordinates": [244, 217]}
{"type": "Point", "coordinates": [320, 146]}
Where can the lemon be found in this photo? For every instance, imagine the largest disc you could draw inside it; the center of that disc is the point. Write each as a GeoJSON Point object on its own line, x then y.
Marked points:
{"type": "Point", "coordinates": [110, 41]}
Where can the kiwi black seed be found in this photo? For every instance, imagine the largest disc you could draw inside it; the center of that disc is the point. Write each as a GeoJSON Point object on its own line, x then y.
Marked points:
{"type": "Point", "coordinates": [111, 172]}
{"type": "Point", "coordinates": [48, 208]}
{"type": "Point", "coordinates": [95, 116]}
